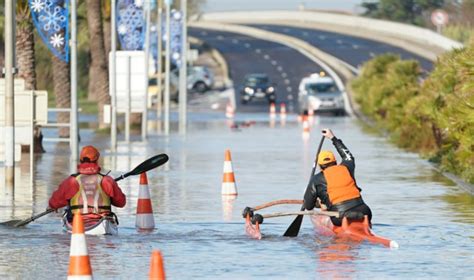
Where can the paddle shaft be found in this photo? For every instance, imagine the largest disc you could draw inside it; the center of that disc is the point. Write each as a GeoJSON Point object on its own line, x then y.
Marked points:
{"type": "Point", "coordinates": [282, 214]}
{"type": "Point", "coordinates": [295, 226]}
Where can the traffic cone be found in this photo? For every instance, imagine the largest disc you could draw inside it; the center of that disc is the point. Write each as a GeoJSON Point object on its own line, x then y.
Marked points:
{"type": "Point", "coordinates": [79, 263]}
{"type": "Point", "coordinates": [229, 111]}
{"type": "Point", "coordinates": [144, 219]}
{"type": "Point", "coordinates": [283, 110]}
{"type": "Point", "coordinates": [228, 181]}
{"type": "Point", "coordinates": [157, 270]}
{"type": "Point", "coordinates": [272, 110]}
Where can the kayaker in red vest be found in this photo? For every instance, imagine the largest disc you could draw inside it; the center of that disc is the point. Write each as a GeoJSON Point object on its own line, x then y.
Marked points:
{"type": "Point", "coordinates": [335, 188]}
{"type": "Point", "coordinates": [88, 191]}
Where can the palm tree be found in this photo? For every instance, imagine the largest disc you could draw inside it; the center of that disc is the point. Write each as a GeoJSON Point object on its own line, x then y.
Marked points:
{"type": "Point", "coordinates": [62, 90]}
{"type": "Point", "coordinates": [25, 45]}
{"type": "Point", "coordinates": [98, 71]}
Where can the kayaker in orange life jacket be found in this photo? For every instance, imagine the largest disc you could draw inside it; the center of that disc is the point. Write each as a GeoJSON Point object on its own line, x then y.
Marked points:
{"type": "Point", "coordinates": [88, 191]}
{"type": "Point", "coordinates": [335, 188]}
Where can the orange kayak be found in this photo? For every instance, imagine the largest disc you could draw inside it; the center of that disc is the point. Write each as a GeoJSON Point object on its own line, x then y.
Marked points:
{"type": "Point", "coordinates": [354, 230]}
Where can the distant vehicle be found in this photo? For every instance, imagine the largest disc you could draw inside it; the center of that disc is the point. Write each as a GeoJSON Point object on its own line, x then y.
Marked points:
{"type": "Point", "coordinates": [200, 79]}
{"type": "Point", "coordinates": [257, 86]}
{"type": "Point", "coordinates": [321, 94]}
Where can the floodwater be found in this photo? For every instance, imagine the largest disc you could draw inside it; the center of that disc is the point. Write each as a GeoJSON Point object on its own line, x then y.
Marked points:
{"type": "Point", "coordinates": [201, 235]}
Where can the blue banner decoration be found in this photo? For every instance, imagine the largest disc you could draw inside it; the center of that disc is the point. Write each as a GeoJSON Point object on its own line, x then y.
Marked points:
{"type": "Point", "coordinates": [176, 22]}
{"type": "Point", "coordinates": [51, 19]}
{"type": "Point", "coordinates": [131, 24]}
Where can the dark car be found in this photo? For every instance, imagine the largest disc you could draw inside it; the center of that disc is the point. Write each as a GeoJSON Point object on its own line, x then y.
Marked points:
{"type": "Point", "coordinates": [257, 86]}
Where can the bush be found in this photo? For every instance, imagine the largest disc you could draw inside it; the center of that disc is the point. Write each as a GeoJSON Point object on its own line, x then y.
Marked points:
{"type": "Point", "coordinates": [434, 117]}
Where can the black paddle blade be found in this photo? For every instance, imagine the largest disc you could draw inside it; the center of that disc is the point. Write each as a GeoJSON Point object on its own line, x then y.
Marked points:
{"type": "Point", "coordinates": [12, 223]}
{"type": "Point", "coordinates": [149, 164]}
{"type": "Point", "coordinates": [294, 228]}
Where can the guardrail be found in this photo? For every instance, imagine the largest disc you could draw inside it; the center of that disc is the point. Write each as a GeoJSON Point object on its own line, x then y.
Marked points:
{"type": "Point", "coordinates": [424, 38]}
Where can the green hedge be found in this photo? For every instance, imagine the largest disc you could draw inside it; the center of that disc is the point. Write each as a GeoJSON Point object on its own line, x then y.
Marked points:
{"type": "Point", "coordinates": [434, 117]}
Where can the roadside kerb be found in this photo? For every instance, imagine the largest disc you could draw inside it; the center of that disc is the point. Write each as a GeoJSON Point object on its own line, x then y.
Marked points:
{"type": "Point", "coordinates": [325, 60]}
{"type": "Point", "coordinates": [422, 40]}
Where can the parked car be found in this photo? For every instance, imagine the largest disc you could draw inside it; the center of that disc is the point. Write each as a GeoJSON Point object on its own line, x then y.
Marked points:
{"type": "Point", "coordinates": [321, 94]}
{"type": "Point", "coordinates": [257, 86]}
{"type": "Point", "coordinates": [200, 79]}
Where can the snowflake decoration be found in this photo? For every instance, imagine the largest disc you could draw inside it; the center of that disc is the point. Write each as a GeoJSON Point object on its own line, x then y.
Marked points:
{"type": "Point", "coordinates": [38, 5]}
{"type": "Point", "coordinates": [131, 24]}
{"type": "Point", "coordinates": [122, 29]}
{"type": "Point", "coordinates": [57, 40]}
{"type": "Point", "coordinates": [52, 18]}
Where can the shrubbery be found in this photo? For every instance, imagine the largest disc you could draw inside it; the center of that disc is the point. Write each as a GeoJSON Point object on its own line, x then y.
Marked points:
{"type": "Point", "coordinates": [434, 117]}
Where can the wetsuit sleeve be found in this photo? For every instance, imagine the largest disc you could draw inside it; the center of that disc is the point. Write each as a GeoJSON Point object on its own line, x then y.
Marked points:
{"type": "Point", "coordinates": [66, 190]}
{"type": "Point", "coordinates": [112, 189]}
{"type": "Point", "coordinates": [346, 155]}
{"type": "Point", "coordinates": [310, 195]}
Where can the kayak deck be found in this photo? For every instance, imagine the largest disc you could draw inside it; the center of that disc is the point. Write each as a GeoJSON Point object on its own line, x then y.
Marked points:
{"type": "Point", "coordinates": [355, 230]}
{"type": "Point", "coordinates": [95, 225]}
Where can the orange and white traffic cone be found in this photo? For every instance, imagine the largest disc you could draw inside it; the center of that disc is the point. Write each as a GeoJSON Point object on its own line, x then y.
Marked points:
{"type": "Point", "coordinates": [272, 110]}
{"type": "Point", "coordinates": [144, 219]}
{"type": "Point", "coordinates": [283, 110]}
{"type": "Point", "coordinates": [229, 111]}
{"type": "Point", "coordinates": [228, 181]}
{"type": "Point", "coordinates": [79, 263]}
{"type": "Point", "coordinates": [157, 269]}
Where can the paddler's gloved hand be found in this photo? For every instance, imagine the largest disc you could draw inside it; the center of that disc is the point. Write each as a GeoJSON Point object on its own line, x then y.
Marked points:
{"type": "Point", "coordinates": [247, 210]}
{"type": "Point", "coordinates": [257, 218]}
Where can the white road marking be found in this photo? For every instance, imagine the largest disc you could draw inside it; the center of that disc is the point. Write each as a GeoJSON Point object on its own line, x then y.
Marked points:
{"type": "Point", "coordinates": [286, 30]}
{"type": "Point", "coordinates": [235, 41]}
{"type": "Point", "coordinates": [267, 57]}
{"type": "Point", "coordinates": [279, 68]}
{"type": "Point", "coordinates": [372, 54]}
{"type": "Point", "coordinates": [287, 81]}
{"type": "Point", "coordinates": [289, 97]}
{"type": "Point", "coordinates": [247, 45]}
{"type": "Point", "coordinates": [220, 37]}
{"type": "Point", "coordinates": [322, 37]}
{"type": "Point", "coordinates": [258, 50]}
{"type": "Point", "coordinates": [284, 75]}
{"type": "Point", "coordinates": [305, 33]}
{"type": "Point", "coordinates": [203, 33]}
{"type": "Point", "coordinates": [274, 62]}
{"type": "Point", "coordinates": [355, 47]}
{"type": "Point", "coordinates": [288, 89]}
{"type": "Point", "coordinates": [339, 42]}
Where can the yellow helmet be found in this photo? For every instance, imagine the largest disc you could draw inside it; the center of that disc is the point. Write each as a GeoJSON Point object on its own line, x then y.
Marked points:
{"type": "Point", "coordinates": [326, 157]}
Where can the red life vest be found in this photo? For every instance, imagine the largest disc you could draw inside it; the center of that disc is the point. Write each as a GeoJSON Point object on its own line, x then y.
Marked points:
{"type": "Point", "coordinates": [340, 184]}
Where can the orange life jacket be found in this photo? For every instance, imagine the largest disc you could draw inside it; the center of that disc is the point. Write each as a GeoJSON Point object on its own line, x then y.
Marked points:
{"type": "Point", "coordinates": [340, 184]}
{"type": "Point", "coordinates": [90, 198]}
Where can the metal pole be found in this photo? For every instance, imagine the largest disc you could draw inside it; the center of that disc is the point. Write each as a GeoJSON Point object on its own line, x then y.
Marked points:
{"type": "Point", "coordinates": [159, 56]}
{"type": "Point", "coordinates": [183, 75]}
{"type": "Point", "coordinates": [32, 140]}
{"type": "Point", "coordinates": [167, 69]}
{"type": "Point", "coordinates": [129, 99]}
{"type": "Point", "coordinates": [113, 76]}
{"type": "Point", "coordinates": [9, 95]}
{"type": "Point", "coordinates": [74, 129]}
{"type": "Point", "coordinates": [147, 59]}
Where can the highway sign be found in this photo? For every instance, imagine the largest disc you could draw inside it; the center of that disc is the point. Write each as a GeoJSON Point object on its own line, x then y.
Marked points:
{"type": "Point", "coordinates": [439, 17]}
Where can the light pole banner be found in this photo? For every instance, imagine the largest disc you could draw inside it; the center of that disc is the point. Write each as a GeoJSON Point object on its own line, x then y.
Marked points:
{"type": "Point", "coordinates": [131, 26]}
{"type": "Point", "coordinates": [51, 19]}
{"type": "Point", "coordinates": [176, 22]}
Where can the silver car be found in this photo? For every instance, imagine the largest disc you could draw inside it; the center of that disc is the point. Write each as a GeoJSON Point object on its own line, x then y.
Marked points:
{"type": "Point", "coordinates": [321, 94]}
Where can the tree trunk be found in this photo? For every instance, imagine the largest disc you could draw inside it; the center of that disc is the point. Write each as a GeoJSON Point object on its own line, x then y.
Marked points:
{"type": "Point", "coordinates": [26, 63]}
{"type": "Point", "coordinates": [98, 71]}
{"type": "Point", "coordinates": [107, 42]}
{"type": "Point", "coordinates": [62, 91]}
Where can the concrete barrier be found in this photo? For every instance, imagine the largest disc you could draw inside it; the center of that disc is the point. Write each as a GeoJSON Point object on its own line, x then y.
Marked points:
{"type": "Point", "coordinates": [421, 41]}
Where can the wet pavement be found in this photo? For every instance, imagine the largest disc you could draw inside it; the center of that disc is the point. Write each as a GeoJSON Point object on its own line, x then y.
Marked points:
{"type": "Point", "coordinates": [202, 235]}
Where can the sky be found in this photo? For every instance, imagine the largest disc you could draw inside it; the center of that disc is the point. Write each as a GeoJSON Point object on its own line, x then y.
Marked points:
{"type": "Point", "coordinates": [233, 5]}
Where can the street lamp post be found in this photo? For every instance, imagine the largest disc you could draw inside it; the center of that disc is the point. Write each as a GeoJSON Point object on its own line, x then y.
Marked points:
{"type": "Point", "coordinates": [147, 59]}
{"type": "Point", "coordinates": [9, 95]}
{"type": "Point", "coordinates": [183, 70]}
{"type": "Point", "coordinates": [159, 62]}
{"type": "Point", "coordinates": [167, 69]}
{"type": "Point", "coordinates": [74, 137]}
{"type": "Point", "coordinates": [113, 76]}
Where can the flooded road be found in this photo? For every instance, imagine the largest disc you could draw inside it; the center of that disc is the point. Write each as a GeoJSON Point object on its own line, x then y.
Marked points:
{"type": "Point", "coordinates": [202, 235]}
